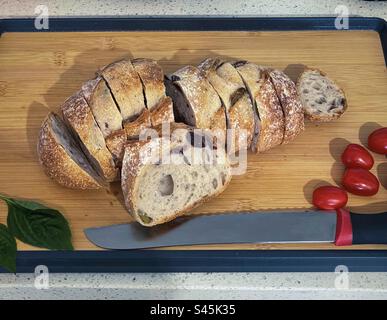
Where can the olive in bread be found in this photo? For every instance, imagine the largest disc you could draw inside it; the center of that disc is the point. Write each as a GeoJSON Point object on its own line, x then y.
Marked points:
{"type": "Point", "coordinates": [61, 157]}
{"type": "Point", "coordinates": [80, 120]}
{"type": "Point", "coordinates": [165, 177]}
{"type": "Point", "coordinates": [322, 99]}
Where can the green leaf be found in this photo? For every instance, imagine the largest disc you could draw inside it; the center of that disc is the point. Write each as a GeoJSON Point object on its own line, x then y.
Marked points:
{"type": "Point", "coordinates": [38, 225]}
{"type": "Point", "coordinates": [7, 249]}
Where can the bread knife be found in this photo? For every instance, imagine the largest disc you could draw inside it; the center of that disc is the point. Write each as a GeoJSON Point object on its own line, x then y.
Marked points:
{"type": "Point", "coordinates": [340, 227]}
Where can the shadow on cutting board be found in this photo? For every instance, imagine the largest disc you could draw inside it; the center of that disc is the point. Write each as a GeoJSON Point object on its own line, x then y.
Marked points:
{"type": "Point", "coordinates": [336, 148]}
{"type": "Point", "coordinates": [311, 185]}
{"type": "Point", "coordinates": [365, 130]}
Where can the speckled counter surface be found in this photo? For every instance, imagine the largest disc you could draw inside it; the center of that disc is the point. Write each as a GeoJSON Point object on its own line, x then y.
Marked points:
{"type": "Point", "coordinates": [196, 7]}
{"type": "Point", "coordinates": [195, 285]}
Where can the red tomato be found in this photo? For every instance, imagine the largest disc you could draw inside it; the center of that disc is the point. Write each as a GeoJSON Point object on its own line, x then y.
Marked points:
{"type": "Point", "coordinates": [377, 141]}
{"type": "Point", "coordinates": [329, 198]}
{"type": "Point", "coordinates": [360, 181]}
{"type": "Point", "coordinates": [355, 156]}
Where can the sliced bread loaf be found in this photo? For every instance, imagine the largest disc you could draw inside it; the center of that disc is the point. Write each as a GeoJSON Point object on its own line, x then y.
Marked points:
{"type": "Point", "coordinates": [291, 104]}
{"type": "Point", "coordinates": [61, 157]}
{"type": "Point", "coordinates": [157, 189]}
{"type": "Point", "coordinates": [238, 107]}
{"type": "Point", "coordinates": [80, 120]}
{"type": "Point", "coordinates": [133, 128]}
{"type": "Point", "coordinates": [126, 88]}
{"type": "Point", "coordinates": [102, 104]}
{"type": "Point", "coordinates": [196, 103]}
{"type": "Point", "coordinates": [268, 108]}
{"type": "Point", "coordinates": [162, 112]}
{"type": "Point", "coordinates": [322, 99]}
{"type": "Point", "coordinates": [115, 142]}
{"type": "Point", "coordinates": [152, 78]}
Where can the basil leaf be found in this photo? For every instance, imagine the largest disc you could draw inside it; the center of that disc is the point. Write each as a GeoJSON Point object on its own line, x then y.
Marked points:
{"type": "Point", "coordinates": [38, 225]}
{"type": "Point", "coordinates": [7, 249]}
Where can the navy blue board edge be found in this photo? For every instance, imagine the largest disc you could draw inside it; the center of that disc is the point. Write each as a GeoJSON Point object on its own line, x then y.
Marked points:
{"type": "Point", "coordinates": [201, 260]}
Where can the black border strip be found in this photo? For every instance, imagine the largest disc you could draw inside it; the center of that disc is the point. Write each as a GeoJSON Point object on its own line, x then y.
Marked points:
{"type": "Point", "coordinates": [204, 261]}
{"type": "Point", "coordinates": [201, 261]}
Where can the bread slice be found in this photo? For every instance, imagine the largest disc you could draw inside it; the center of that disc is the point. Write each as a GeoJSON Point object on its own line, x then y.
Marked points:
{"type": "Point", "coordinates": [133, 128]}
{"type": "Point", "coordinates": [116, 145]}
{"type": "Point", "coordinates": [79, 118]}
{"type": "Point", "coordinates": [126, 88]}
{"type": "Point", "coordinates": [322, 99]}
{"type": "Point", "coordinates": [268, 108]}
{"type": "Point", "coordinates": [117, 140]}
{"type": "Point", "coordinates": [102, 104]}
{"type": "Point", "coordinates": [291, 104]}
{"type": "Point", "coordinates": [239, 110]}
{"type": "Point", "coordinates": [152, 78]}
{"type": "Point", "coordinates": [158, 189]}
{"type": "Point", "coordinates": [62, 159]}
{"type": "Point", "coordinates": [162, 112]}
{"type": "Point", "coordinates": [195, 101]}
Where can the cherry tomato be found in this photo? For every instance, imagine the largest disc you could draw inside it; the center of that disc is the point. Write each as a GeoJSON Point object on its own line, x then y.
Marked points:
{"type": "Point", "coordinates": [377, 141]}
{"type": "Point", "coordinates": [355, 156]}
{"type": "Point", "coordinates": [329, 198]}
{"type": "Point", "coordinates": [360, 181]}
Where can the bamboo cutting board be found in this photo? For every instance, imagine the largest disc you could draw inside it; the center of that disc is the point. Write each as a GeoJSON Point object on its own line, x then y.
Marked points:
{"type": "Point", "coordinates": [38, 71]}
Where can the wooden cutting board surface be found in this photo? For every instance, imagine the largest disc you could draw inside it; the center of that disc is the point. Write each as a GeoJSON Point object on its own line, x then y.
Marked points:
{"type": "Point", "coordinates": [38, 71]}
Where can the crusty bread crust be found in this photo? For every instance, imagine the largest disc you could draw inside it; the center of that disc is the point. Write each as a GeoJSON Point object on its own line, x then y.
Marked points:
{"type": "Point", "coordinates": [80, 120]}
{"type": "Point", "coordinates": [58, 164]}
{"type": "Point", "coordinates": [271, 118]}
{"type": "Point", "coordinates": [202, 98]}
{"type": "Point", "coordinates": [238, 107]}
{"type": "Point", "coordinates": [162, 112]}
{"type": "Point", "coordinates": [321, 117]}
{"type": "Point", "coordinates": [152, 78]}
{"type": "Point", "coordinates": [116, 145]}
{"type": "Point", "coordinates": [134, 128]}
{"type": "Point", "coordinates": [291, 104]}
{"type": "Point", "coordinates": [126, 88]}
{"type": "Point", "coordinates": [101, 102]}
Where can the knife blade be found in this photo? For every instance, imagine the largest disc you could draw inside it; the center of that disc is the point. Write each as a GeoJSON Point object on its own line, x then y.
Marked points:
{"type": "Point", "coordinates": [250, 227]}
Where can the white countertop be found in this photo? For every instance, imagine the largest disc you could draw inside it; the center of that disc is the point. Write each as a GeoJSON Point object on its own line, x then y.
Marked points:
{"type": "Point", "coordinates": [194, 285]}
{"type": "Point", "coordinates": [196, 7]}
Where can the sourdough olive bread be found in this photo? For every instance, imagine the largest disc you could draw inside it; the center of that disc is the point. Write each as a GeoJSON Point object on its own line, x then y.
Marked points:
{"type": "Point", "coordinates": [165, 177]}
{"type": "Point", "coordinates": [152, 78]}
{"type": "Point", "coordinates": [322, 99]}
{"type": "Point", "coordinates": [80, 120]}
{"type": "Point", "coordinates": [266, 102]}
{"type": "Point", "coordinates": [238, 107]}
{"type": "Point", "coordinates": [126, 88]}
{"type": "Point", "coordinates": [61, 157]}
{"type": "Point", "coordinates": [102, 105]}
{"type": "Point", "coordinates": [291, 104]}
{"type": "Point", "coordinates": [196, 103]}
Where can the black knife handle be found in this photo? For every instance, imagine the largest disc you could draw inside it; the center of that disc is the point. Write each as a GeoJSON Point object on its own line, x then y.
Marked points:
{"type": "Point", "coordinates": [369, 228]}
